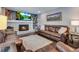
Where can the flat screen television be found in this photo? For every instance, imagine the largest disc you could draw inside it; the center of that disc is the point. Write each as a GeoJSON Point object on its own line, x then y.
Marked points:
{"type": "Point", "coordinates": [23, 16]}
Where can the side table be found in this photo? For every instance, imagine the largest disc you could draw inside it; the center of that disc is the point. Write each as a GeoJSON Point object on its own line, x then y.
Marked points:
{"type": "Point", "coordinates": [19, 45]}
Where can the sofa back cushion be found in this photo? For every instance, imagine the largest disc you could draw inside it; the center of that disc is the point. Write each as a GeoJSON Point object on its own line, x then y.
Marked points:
{"type": "Point", "coordinates": [55, 28]}
{"type": "Point", "coordinates": [52, 29]}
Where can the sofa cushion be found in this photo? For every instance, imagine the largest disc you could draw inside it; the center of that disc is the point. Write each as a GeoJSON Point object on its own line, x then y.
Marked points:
{"type": "Point", "coordinates": [52, 33]}
{"type": "Point", "coordinates": [46, 28]}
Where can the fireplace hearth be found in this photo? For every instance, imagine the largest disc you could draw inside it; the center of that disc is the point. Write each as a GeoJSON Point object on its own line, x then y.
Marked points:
{"type": "Point", "coordinates": [23, 27]}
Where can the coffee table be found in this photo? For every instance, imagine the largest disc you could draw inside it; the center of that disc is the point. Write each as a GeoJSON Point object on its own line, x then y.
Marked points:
{"type": "Point", "coordinates": [19, 45]}
{"type": "Point", "coordinates": [35, 42]}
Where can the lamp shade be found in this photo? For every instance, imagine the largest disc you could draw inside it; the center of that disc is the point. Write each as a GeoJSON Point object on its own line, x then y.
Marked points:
{"type": "Point", "coordinates": [3, 22]}
{"type": "Point", "coordinates": [75, 22]}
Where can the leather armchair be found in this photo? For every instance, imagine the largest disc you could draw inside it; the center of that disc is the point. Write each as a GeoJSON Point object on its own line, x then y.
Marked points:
{"type": "Point", "coordinates": [65, 48]}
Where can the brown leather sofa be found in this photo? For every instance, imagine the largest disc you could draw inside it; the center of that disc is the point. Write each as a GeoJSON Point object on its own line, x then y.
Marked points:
{"type": "Point", "coordinates": [51, 31]}
{"type": "Point", "coordinates": [62, 47]}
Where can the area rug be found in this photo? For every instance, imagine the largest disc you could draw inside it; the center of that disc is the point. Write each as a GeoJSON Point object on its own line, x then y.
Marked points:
{"type": "Point", "coordinates": [35, 42]}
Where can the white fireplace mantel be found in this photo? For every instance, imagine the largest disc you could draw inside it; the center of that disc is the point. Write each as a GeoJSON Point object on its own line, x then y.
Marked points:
{"type": "Point", "coordinates": [16, 23]}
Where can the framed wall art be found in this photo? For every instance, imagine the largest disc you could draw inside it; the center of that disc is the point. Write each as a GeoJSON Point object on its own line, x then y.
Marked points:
{"type": "Point", "coordinates": [55, 17]}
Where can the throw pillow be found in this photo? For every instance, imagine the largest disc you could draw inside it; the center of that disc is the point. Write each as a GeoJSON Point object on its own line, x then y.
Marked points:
{"type": "Point", "coordinates": [42, 27]}
{"type": "Point", "coordinates": [62, 30]}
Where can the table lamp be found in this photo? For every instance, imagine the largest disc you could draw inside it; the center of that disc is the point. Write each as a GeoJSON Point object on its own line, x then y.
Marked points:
{"type": "Point", "coordinates": [3, 22]}
{"type": "Point", "coordinates": [75, 23]}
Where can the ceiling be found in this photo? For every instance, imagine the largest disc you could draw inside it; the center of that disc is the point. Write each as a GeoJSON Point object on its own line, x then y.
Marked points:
{"type": "Point", "coordinates": [33, 10]}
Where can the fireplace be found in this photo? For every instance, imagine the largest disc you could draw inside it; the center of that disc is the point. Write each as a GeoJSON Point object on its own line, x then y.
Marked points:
{"type": "Point", "coordinates": [23, 27]}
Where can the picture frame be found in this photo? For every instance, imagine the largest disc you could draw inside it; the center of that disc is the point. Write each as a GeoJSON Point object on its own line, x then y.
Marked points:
{"type": "Point", "coordinates": [55, 17]}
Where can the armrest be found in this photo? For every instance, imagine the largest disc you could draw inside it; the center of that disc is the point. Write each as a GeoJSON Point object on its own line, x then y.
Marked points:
{"type": "Point", "coordinates": [63, 47]}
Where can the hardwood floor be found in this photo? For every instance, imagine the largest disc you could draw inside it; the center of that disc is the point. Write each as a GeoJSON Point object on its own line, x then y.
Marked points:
{"type": "Point", "coordinates": [49, 48]}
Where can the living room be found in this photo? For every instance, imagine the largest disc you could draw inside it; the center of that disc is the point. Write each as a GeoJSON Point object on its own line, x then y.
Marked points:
{"type": "Point", "coordinates": [40, 29]}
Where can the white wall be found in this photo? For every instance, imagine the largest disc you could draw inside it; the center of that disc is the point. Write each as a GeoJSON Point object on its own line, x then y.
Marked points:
{"type": "Point", "coordinates": [65, 17]}
{"type": "Point", "coordinates": [68, 14]}
{"type": "Point", "coordinates": [2, 11]}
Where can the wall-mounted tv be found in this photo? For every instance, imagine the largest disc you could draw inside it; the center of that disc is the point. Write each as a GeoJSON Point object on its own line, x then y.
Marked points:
{"type": "Point", "coordinates": [23, 16]}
